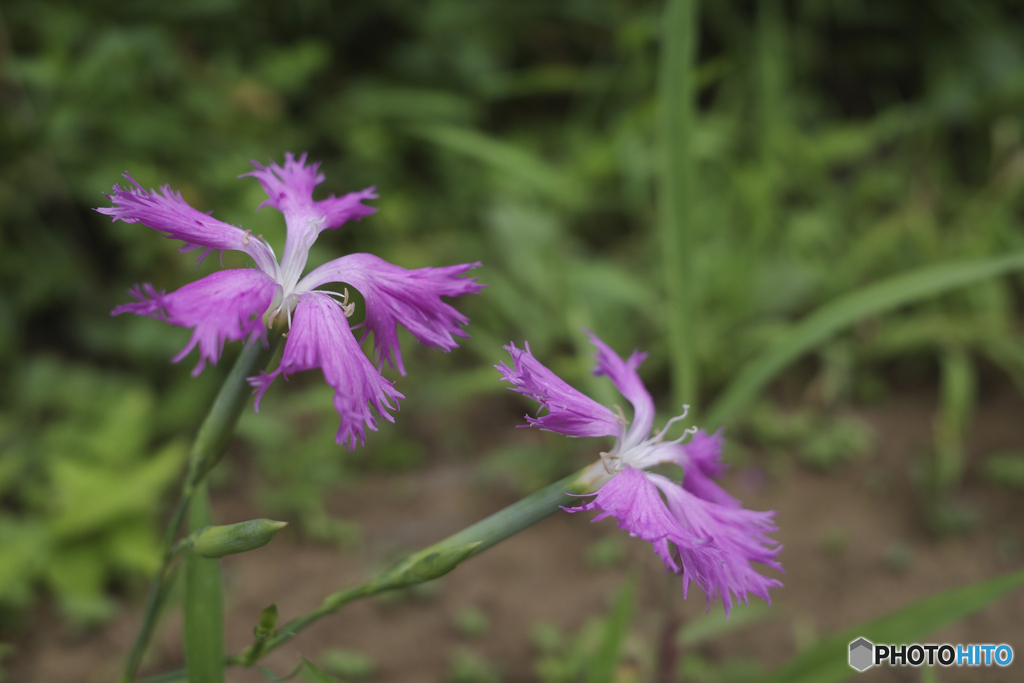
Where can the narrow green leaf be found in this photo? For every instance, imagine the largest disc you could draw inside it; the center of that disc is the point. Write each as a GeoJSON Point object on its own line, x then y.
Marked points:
{"type": "Point", "coordinates": [827, 661]}
{"type": "Point", "coordinates": [204, 603]}
{"type": "Point", "coordinates": [1006, 469]}
{"type": "Point", "coordinates": [175, 676]}
{"type": "Point", "coordinates": [715, 623]}
{"type": "Point", "coordinates": [676, 188]}
{"type": "Point", "coordinates": [515, 161]}
{"type": "Point", "coordinates": [844, 312]}
{"type": "Point", "coordinates": [957, 407]}
{"type": "Point", "coordinates": [274, 678]}
{"type": "Point", "coordinates": [602, 668]}
{"type": "Point", "coordinates": [314, 674]}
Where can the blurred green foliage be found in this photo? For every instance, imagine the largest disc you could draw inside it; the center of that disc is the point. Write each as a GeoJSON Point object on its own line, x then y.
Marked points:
{"type": "Point", "coordinates": [472, 622]}
{"type": "Point", "coordinates": [469, 667]}
{"type": "Point", "coordinates": [836, 144]}
{"type": "Point", "coordinates": [81, 482]}
{"type": "Point", "coordinates": [821, 441]}
{"type": "Point", "coordinates": [597, 653]}
{"type": "Point", "coordinates": [347, 663]}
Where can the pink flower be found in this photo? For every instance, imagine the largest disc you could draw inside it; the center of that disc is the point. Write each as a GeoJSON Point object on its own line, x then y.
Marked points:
{"type": "Point", "coordinates": [236, 304]}
{"type": "Point", "coordinates": [699, 531]}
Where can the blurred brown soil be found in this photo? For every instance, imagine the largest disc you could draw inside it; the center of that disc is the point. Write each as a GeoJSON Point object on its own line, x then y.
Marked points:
{"type": "Point", "coordinates": [542, 574]}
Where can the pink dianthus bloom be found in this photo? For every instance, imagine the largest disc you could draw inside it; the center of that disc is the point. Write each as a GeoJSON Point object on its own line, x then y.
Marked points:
{"type": "Point", "coordinates": [699, 531]}
{"type": "Point", "coordinates": [235, 304]}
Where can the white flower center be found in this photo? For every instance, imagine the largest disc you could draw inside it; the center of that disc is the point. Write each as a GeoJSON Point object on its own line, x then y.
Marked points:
{"type": "Point", "coordinates": [645, 453]}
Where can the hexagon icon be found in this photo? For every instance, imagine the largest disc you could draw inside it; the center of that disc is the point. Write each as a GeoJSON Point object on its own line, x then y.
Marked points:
{"type": "Point", "coordinates": [861, 654]}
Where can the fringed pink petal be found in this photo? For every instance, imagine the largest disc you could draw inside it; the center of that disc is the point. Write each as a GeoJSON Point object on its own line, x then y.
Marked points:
{"type": "Point", "coordinates": [568, 411]}
{"type": "Point", "coordinates": [625, 378]}
{"type": "Point", "coordinates": [701, 459]}
{"type": "Point", "coordinates": [634, 501]}
{"type": "Point", "coordinates": [221, 307]}
{"type": "Point", "coordinates": [320, 337]}
{"type": "Point", "coordinates": [739, 536]}
{"type": "Point", "coordinates": [339, 210]}
{"type": "Point", "coordinates": [395, 295]}
{"type": "Point", "coordinates": [290, 188]}
{"type": "Point", "coordinates": [169, 214]}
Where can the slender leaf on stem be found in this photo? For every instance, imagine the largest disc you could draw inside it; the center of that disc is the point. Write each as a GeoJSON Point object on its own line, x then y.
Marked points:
{"type": "Point", "coordinates": [826, 662]}
{"type": "Point", "coordinates": [842, 313]}
{"type": "Point", "coordinates": [168, 677]}
{"type": "Point", "coordinates": [437, 559]}
{"type": "Point", "coordinates": [445, 555]}
{"type": "Point", "coordinates": [274, 678]}
{"type": "Point", "coordinates": [602, 668]}
{"type": "Point", "coordinates": [675, 191]}
{"type": "Point", "coordinates": [314, 674]}
{"type": "Point", "coordinates": [204, 603]}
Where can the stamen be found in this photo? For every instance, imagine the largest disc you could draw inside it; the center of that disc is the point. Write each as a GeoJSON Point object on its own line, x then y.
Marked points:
{"type": "Point", "coordinates": [689, 431]}
{"type": "Point", "coordinates": [246, 236]}
{"type": "Point", "coordinates": [272, 313]}
{"type": "Point", "coordinates": [343, 297]}
{"type": "Point", "coordinates": [664, 430]}
{"type": "Point", "coordinates": [348, 308]}
{"type": "Point", "coordinates": [620, 416]}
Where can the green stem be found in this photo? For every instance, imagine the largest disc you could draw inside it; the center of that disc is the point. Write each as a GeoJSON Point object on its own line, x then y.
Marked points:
{"type": "Point", "coordinates": [204, 602]}
{"type": "Point", "coordinates": [207, 449]}
{"type": "Point", "coordinates": [440, 558]}
{"type": "Point", "coordinates": [433, 561]}
{"type": "Point", "coordinates": [676, 189]}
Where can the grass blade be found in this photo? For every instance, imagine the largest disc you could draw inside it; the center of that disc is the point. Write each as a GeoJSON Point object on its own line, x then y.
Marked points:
{"type": "Point", "coordinates": [844, 312]}
{"type": "Point", "coordinates": [675, 189]}
{"type": "Point", "coordinates": [602, 668]}
{"type": "Point", "coordinates": [516, 161]}
{"type": "Point", "coordinates": [204, 603]}
{"type": "Point", "coordinates": [314, 674]}
{"type": "Point", "coordinates": [826, 662]}
{"type": "Point", "coordinates": [958, 394]}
